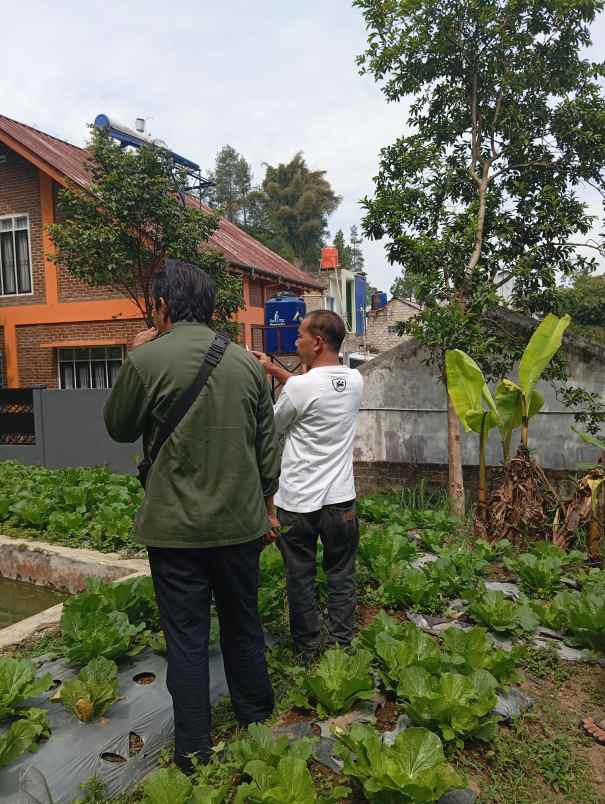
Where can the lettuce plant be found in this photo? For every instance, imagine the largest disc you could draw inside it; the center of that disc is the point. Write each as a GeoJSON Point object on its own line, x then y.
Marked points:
{"type": "Point", "coordinates": [339, 680]}
{"type": "Point", "coordinates": [91, 694]}
{"type": "Point", "coordinates": [380, 546]}
{"type": "Point", "coordinates": [584, 617]}
{"type": "Point", "coordinates": [396, 655]}
{"type": "Point", "coordinates": [260, 743]}
{"type": "Point", "coordinates": [135, 598]}
{"type": "Point", "coordinates": [91, 629]}
{"type": "Point", "coordinates": [171, 785]}
{"type": "Point", "coordinates": [381, 624]}
{"type": "Point", "coordinates": [18, 683]}
{"type": "Point", "coordinates": [538, 576]}
{"type": "Point", "coordinates": [493, 609]}
{"type": "Point", "coordinates": [23, 735]}
{"type": "Point", "coordinates": [289, 782]}
{"type": "Point", "coordinates": [493, 551]}
{"type": "Point", "coordinates": [467, 651]}
{"type": "Point", "coordinates": [412, 769]}
{"type": "Point", "coordinates": [410, 587]}
{"type": "Point", "coordinates": [456, 705]}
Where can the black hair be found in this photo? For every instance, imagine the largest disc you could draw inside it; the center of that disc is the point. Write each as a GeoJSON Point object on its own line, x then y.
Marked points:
{"type": "Point", "coordinates": [329, 325]}
{"type": "Point", "coordinates": [187, 290]}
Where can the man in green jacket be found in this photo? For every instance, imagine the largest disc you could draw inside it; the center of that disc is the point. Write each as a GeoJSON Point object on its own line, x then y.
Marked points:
{"type": "Point", "coordinates": [208, 501]}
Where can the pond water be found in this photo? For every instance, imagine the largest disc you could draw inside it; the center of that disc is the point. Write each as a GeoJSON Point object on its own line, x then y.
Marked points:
{"type": "Point", "coordinates": [19, 600]}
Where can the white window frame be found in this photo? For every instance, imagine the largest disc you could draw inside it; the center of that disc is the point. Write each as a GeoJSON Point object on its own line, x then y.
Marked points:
{"type": "Point", "coordinates": [91, 360]}
{"type": "Point", "coordinates": [4, 295]}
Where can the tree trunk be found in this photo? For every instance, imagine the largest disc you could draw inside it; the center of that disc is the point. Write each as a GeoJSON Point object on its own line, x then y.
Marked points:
{"type": "Point", "coordinates": [454, 457]}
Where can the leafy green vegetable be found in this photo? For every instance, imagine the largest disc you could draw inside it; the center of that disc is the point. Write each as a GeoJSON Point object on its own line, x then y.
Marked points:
{"type": "Point", "coordinates": [18, 683]}
{"type": "Point", "coordinates": [467, 651]}
{"type": "Point", "coordinates": [583, 614]}
{"type": "Point", "coordinates": [543, 549]}
{"type": "Point", "coordinates": [380, 547]}
{"type": "Point", "coordinates": [289, 782]}
{"type": "Point", "coordinates": [91, 629]}
{"type": "Point", "coordinates": [415, 649]}
{"type": "Point", "coordinates": [539, 576]}
{"type": "Point", "coordinates": [381, 624]}
{"type": "Point", "coordinates": [493, 551]}
{"type": "Point", "coordinates": [498, 613]}
{"type": "Point", "coordinates": [407, 586]}
{"type": "Point", "coordinates": [455, 571]}
{"type": "Point", "coordinates": [170, 785]}
{"type": "Point", "coordinates": [94, 690]}
{"type": "Point", "coordinates": [459, 706]}
{"type": "Point", "coordinates": [259, 743]}
{"type": "Point", "coordinates": [412, 769]}
{"type": "Point", "coordinates": [339, 680]}
{"type": "Point", "coordinates": [134, 597]}
{"type": "Point", "coordinates": [21, 736]}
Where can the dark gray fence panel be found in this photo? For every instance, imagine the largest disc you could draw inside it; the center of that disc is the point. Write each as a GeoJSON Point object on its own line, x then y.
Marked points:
{"type": "Point", "coordinates": [74, 434]}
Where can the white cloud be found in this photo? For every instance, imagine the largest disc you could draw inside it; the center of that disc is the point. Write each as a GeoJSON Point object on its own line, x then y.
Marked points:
{"type": "Point", "coordinates": [270, 78]}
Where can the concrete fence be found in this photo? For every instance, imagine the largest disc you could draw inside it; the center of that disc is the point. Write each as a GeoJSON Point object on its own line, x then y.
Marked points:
{"type": "Point", "coordinates": [60, 429]}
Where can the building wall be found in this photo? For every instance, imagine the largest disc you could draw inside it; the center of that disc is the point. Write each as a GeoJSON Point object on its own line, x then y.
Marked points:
{"type": "Point", "coordinates": [379, 338]}
{"type": "Point", "coordinates": [403, 418]}
{"type": "Point", "coordinates": [39, 364]}
{"type": "Point", "coordinates": [20, 195]}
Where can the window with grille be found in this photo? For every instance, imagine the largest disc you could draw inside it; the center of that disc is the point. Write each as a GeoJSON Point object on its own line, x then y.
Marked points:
{"type": "Point", "coordinates": [257, 294]}
{"type": "Point", "coordinates": [15, 256]}
{"type": "Point", "coordinates": [241, 336]}
{"type": "Point", "coordinates": [258, 339]}
{"type": "Point", "coordinates": [90, 367]}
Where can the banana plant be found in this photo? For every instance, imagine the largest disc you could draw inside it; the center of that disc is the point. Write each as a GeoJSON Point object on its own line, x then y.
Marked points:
{"type": "Point", "coordinates": [517, 403]}
{"type": "Point", "coordinates": [475, 407]}
{"type": "Point", "coordinates": [595, 481]}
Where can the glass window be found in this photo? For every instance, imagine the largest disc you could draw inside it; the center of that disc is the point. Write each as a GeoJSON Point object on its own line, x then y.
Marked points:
{"type": "Point", "coordinates": [15, 256]}
{"type": "Point", "coordinates": [89, 367]}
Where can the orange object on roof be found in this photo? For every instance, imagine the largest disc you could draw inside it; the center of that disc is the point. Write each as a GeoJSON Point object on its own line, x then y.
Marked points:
{"type": "Point", "coordinates": [329, 258]}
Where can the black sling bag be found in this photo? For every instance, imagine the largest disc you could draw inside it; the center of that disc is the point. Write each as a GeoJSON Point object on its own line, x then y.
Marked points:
{"type": "Point", "coordinates": [184, 402]}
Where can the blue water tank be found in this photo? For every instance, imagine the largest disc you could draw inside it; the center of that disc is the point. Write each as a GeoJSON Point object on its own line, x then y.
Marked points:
{"type": "Point", "coordinates": [283, 314]}
{"type": "Point", "coordinates": [360, 303]}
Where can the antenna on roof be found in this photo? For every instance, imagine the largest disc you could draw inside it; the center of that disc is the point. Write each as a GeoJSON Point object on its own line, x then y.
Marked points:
{"type": "Point", "coordinates": [187, 175]}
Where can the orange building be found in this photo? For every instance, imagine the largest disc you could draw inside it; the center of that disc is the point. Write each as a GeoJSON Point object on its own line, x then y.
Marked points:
{"type": "Point", "coordinates": [60, 332]}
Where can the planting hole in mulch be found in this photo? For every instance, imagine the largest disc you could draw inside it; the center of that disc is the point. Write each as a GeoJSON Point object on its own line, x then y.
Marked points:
{"type": "Point", "coordinates": [144, 678]}
{"type": "Point", "coordinates": [56, 684]}
{"type": "Point", "coordinates": [135, 744]}
{"type": "Point", "coordinates": [115, 759]}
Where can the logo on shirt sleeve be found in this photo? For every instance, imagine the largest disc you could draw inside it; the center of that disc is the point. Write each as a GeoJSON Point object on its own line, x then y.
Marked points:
{"type": "Point", "coordinates": [339, 384]}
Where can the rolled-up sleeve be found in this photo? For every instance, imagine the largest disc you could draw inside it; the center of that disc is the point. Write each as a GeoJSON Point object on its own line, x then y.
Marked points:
{"type": "Point", "coordinates": [267, 449]}
{"type": "Point", "coordinates": [126, 409]}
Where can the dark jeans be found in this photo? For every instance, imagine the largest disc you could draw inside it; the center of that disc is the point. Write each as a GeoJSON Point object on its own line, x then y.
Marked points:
{"type": "Point", "coordinates": [338, 528]}
{"type": "Point", "coordinates": [184, 581]}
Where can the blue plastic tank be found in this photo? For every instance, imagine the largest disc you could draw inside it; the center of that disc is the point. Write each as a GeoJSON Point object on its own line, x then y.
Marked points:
{"type": "Point", "coordinates": [283, 314]}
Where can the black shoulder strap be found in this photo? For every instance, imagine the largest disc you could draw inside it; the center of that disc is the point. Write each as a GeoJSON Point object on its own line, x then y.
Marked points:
{"type": "Point", "coordinates": [188, 397]}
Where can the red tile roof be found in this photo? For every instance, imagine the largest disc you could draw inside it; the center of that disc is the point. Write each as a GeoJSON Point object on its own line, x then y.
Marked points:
{"type": "Point", "coordinates": [239, 248]}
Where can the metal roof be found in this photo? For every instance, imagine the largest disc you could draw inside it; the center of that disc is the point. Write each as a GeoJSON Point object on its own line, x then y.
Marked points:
{"type": "Point", "coordinates": [238, 247]}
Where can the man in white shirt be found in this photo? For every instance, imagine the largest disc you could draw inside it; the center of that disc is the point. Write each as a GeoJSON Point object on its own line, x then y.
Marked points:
{"type": "Point", "coordinates": [317, 413]}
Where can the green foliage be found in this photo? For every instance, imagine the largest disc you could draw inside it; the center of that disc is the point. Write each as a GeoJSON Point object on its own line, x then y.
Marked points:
{"type": "Point", "coordinates": [584, 301]}
{"type": "Point", "coordinates": [272, 586]}
{"type": "Point", "coordinates": [171, 785]}
{"type": "Point", "coordinates": [582, 615]}
{"type": "Point", "coordinates": [339, 680]}
{"type": "Point", "coordinates": [493, 551]}
{"type": "Point", "coordinates": [119, 230]}
{"type": "Point", "coordinates": [539, 576]}
{"type": "Point", "coordinates": [23, 735]}
{"type": "Point", "coordinates": [467, 651]}
{"type": "Point", "coordinates": [505, 127]}
{"type": "Point", "coordinates": [77, 507]}
{"type": "Point", "coordinates": [259, 743]}
{"type": "Point", "coordinates": [406, 586]}
{"type": "Point", "coordinates": [459, 706]}
{"type": "Point", "coordinates": [288, 782]}
{"type": "Point", "coordinates": [396, 656]}
{"type": "Point", "coordinates": [18, 684]}
{"type": "Point", "coordinates": [94, 690]}
{"type": "Point", "coordinates": [91, 629]}
{"type": "Point", "coordinates": [380, 547]}
{"type": "Point", "coordinates": [412, 769]}
{"type": "Point", "coordinates": [381, 624]}
{"type": "Point", "coordinates": [344, 250]}
{"type": "Point", "coordinates": [232, 177]}
{"type": "Point", "coordinates": [134, 597]}
{"type": "Point", "coordinates": [493, 609]}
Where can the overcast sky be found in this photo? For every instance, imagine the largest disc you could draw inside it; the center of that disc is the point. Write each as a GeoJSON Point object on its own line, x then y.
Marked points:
{"type": "Point", "coordinates": [270, 78]}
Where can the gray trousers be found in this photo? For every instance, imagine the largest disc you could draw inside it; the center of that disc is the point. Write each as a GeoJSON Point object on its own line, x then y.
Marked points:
{"type": "Point", "coordinates": [338, 528]}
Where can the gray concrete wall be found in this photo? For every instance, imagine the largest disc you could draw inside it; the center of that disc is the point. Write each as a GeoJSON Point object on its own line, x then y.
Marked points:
{"type": "Point", "coordinates": [70, 432]}
{"type": "Point", "coordinates": [404, 420]}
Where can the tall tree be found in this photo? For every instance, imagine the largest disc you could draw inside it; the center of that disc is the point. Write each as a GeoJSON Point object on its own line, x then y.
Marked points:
{"type": "Point", "coordinates": [585, 303]}
{"type": "Point", "coordinates": [118, 232]}
{"type": "Point", "coordinates": [357, 258]}
{"type": "Point", "coordinates": [344, 250]}
{"type": "Point", "coordinates": [299, 202]}
{"type": "Point", "coordinates": [507, 124]}
{"type": "Point", "coordinates": [406, 286]}
{"type": "Point", "coordinates": [232, 178]}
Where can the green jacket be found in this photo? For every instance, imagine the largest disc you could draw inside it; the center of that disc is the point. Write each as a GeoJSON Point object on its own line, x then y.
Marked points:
{"type": "Point", "coordinates": [207, 485]}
